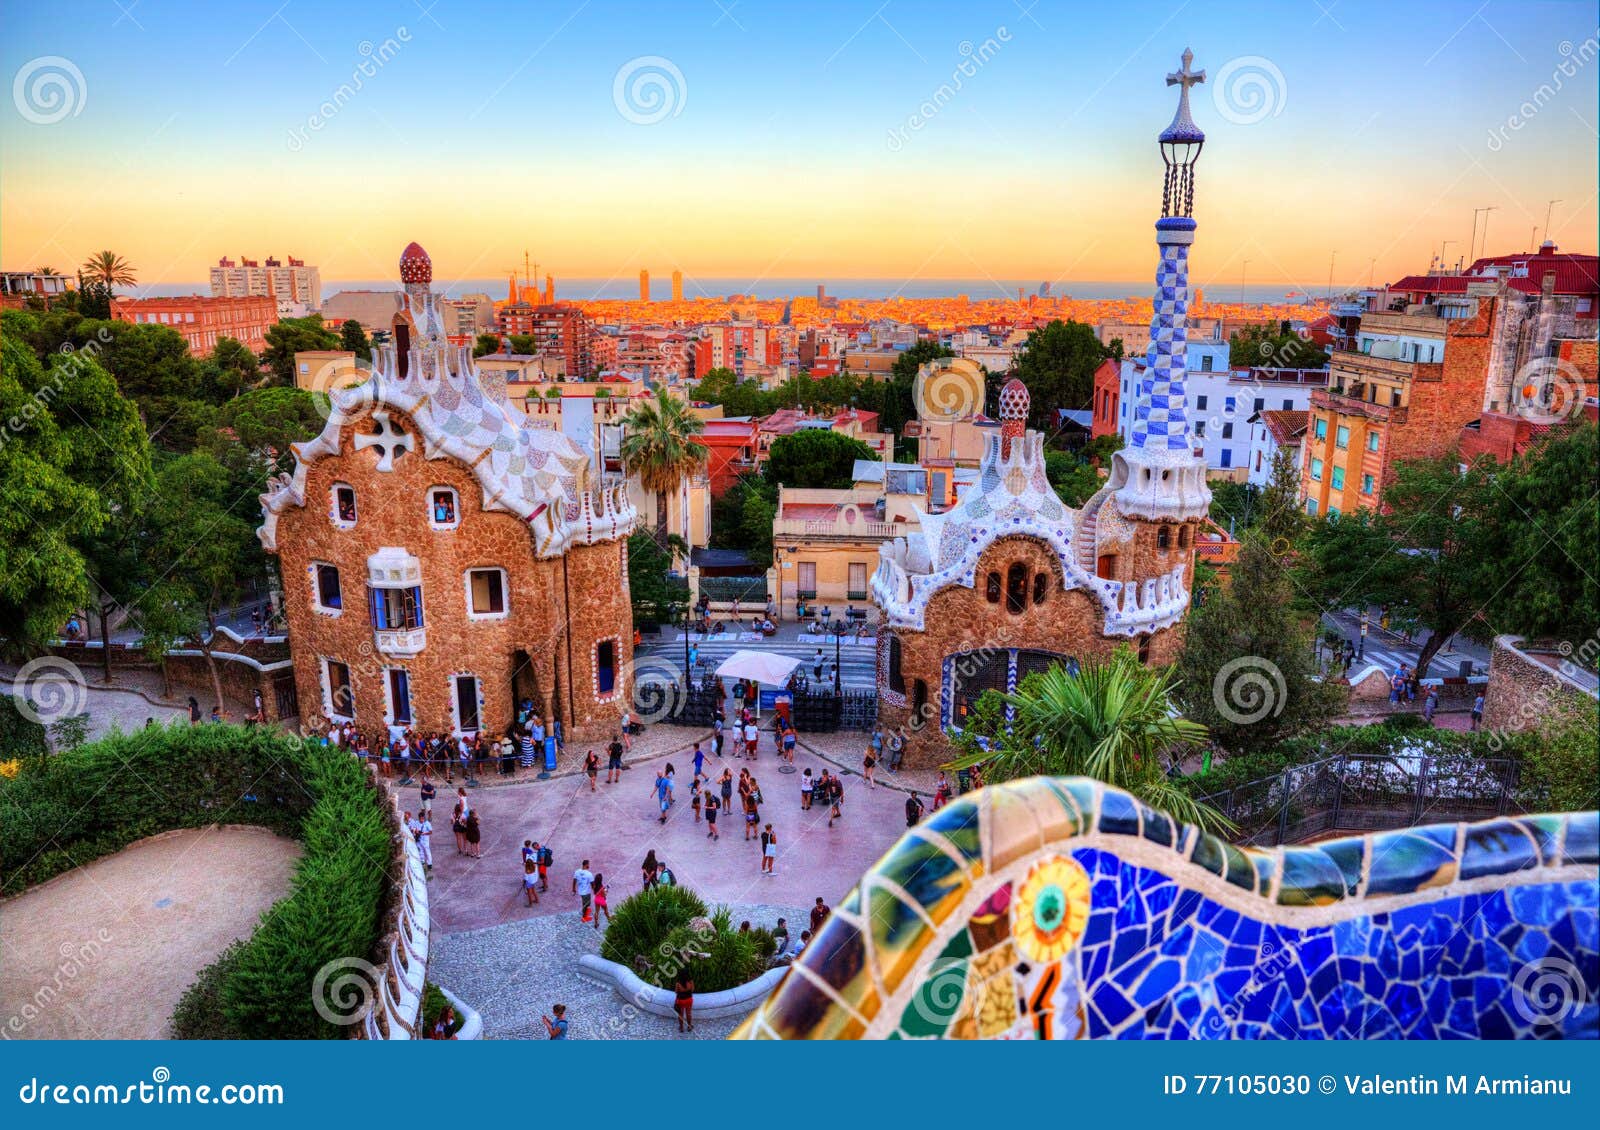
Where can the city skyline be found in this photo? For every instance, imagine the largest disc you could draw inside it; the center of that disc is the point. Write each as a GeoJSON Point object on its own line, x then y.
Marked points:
{"type": "Point", "coordinates": [1352, 153]}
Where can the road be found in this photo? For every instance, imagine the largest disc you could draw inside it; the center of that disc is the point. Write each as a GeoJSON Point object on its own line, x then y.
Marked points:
{"type": "Point", "coordinates": [858, 663]}
{"type": "Point", "coordinates": [1389, 649]}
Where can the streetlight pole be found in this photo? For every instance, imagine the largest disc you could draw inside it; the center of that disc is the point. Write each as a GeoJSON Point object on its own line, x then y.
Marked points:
{"type": "Point", "coordinates": [1548, 208]}
{"type": "Point", "coordinates": [836, 673]}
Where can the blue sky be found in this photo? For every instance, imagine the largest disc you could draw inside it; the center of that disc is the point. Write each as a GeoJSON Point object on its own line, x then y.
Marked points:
{"type": "Point", "coordinates": [794, 145]}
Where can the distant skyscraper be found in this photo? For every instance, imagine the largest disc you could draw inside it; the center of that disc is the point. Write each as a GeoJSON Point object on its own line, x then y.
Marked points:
{"type": "Point", "coordinates": [1044, 290]}
{"type": "Point", "coordinates": [677, 286]}
{"type": "Point", "coordinates": [1019, 294]}
{"type": "Point", "coordinates": [644, 286]}
{"type": "Point", "coordinates": [549, 289]}
{"type": "Point", "coordinates": [822, 292]}
{"type": "Point", "coordinates": [291, 284]}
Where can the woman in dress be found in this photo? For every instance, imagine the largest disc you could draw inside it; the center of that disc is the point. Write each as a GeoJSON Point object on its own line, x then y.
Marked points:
{"type": "Point", "coordinates": [600, 904]}
{"type": "Point", "coordinates": [650, 869]}
{"type": "Point", "coordinates": [683, 999]}
{"type": "Point", "coordinates": [473, 835]}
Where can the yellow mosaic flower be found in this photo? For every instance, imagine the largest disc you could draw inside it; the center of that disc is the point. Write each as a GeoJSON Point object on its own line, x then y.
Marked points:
{"type": "Point", "coordinates": [1051, 909]}
{"type": "Point", "coordinates": [10, 768]}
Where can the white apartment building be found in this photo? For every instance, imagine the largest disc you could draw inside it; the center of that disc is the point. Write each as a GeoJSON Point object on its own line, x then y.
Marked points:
{"type": "Point", "coordinates": [297, 287]}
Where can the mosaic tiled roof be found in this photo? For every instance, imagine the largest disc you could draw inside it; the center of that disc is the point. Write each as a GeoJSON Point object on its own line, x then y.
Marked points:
{"type": "Point", "coordinates": [1063, 908]}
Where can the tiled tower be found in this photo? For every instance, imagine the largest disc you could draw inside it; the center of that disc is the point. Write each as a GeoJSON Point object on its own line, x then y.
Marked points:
{"type": "Point", "coordinates": [1158, 477]}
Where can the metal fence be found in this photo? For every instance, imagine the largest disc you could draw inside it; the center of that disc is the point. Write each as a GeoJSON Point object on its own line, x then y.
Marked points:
{"type": "Point", "coordinates": [749, 591]}
{"type": "Point", "coordinates": [1368, 792]}
{"type": "Point", "coordinates": [816, 712]}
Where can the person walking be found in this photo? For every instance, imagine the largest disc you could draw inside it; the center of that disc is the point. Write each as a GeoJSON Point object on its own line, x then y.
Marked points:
{"type": "Point", "coordinates": [699, 762]}
{"type": "Point", "coordinates": [835, 798]}
{"type": "Point", "coordinates": [869, 765]}
{"type": "Point", "coordinates": [789, 740]}
{"type": "Point", "coordinates": [752, 738]}
{"type": "Point", "coordinates": [897, 751]}
{"type": "Point", "coordinates": [716, 734]}
{"type": "Point", "coordinates": [530, 880]}
{"type": "Point", "coordinates": [941, 791]}
{"type": "Point", "coordinates": [614, 762]}
{"type": "Point", "coordinates": [600, 904]}
{"type": "Point", "coordinates": [424, 834]}
{"type": "Point", "coordinates": [816, 665]}
{"type": "Point", "coordinates": [650, 869]}
{"type": "Point", "coordinates": [663, 791]}
{"type": "Point", "coordinates": [1477, 712]}
{"type": "Point", "coordinates": [769, 851]}
{"type": "Point", "coordinates": [807, 784]}
{"type": "Point", "coordinates": [583, 887]}
{"type": "Point", "coordinates": [1430, 704]}
{"type": "Point", "coordinates": [591, 767]}
{"type": "Point", "coordinates": [725, 787]}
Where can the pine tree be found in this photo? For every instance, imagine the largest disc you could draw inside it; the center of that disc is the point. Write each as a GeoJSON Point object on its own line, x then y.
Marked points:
{"type": "Point", "coordinates": [1247, 666]}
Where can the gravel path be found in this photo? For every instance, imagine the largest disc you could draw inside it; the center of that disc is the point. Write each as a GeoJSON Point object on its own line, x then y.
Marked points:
{"type": "Point", "coordinates": [514, 972]}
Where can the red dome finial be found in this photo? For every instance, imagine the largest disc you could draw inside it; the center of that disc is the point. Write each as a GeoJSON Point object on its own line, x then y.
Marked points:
{"type": "Point", "coordinates": [415, 266]}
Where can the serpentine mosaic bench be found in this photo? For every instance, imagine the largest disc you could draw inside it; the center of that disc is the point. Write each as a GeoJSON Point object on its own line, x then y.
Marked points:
{"type": "Point", "coordinates": [1062, 909]}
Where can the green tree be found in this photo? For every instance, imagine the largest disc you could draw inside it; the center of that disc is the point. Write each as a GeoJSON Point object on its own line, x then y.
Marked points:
{"type": "Point", "coordinates": [76, 456]}
{"type": "Point", "coordinates": [815, 457]}
{"type": "Point", "coordinates": [1112, 721]}
{"type": "Point", "coordinates": [109, 269]}
{"type": "Point", "coordinates": [741, 518]}
{"type": "Point", "coordinates": [1278, 518]}
{"type": "Point", "coordinates": [1075, 480]}
{"type": "Point", "coordinates": [1543, 504]}
{"type": "Point", "coordinates": [295, 335]}
{"type": "Point", "coordinates": [1247, 670]}
{"type": "Point", "coordinates": [486, 344]}
{"type": "Point", "coordinates": [230, 368]}
{"type": "Point", "coordinates": [656, 597]}
{"type": "Point", "coordinates": [353, 338]}
{"type": "Point", "coordinates": [1280, 348]}
{"type": "Point", "coordinates": [522, 343]}
{"type": "Point", "coordinates": [254, 430]}
{"type": "Point", "coordinates": [1434, 554]}
{"type": "Point", "coordinates": [1058, 368]}
{"type": "Point", "coordinates": [1558, 770]}
{"type": "Point", "coordinates": [659, 447]}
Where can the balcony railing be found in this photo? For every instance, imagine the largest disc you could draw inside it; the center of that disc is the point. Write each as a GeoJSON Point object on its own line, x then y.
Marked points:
{"type": "Point", "coordinates": [840, 528]}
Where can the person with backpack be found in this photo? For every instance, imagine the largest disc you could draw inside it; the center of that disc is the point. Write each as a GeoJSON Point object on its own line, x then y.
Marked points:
{"type": "Point", "coordinates": [614, 760]}
{"type": "Point", "coordinates": [913, 810]}
{"type": "Point", "coordinates": [664, 875]}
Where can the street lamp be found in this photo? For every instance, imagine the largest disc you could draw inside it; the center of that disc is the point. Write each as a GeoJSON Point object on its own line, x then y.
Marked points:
{"type": "Point", "coordinates": [836, 637]}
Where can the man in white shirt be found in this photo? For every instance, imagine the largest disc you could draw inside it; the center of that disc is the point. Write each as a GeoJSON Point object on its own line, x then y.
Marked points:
{"type": "Point", "coordinates": [583, 887]}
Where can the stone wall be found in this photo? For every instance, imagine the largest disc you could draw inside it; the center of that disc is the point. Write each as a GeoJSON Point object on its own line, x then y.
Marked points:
{"type": "Point", "coordinates": [1524, 693]}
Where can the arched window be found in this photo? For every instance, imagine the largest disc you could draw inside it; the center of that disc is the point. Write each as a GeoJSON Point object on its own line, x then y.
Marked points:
{"type": "Point", "coordinates": [1183, 536]}
{"type": "Point", "coordinates": [1163, 537]}
{"type": "Point", "coordinates": [1144, 649]}
{"type": "Point", "coordinates": [897, 677]}
{"type": "Point", "coordinates": [1041, 587]}
{"type": "Point", "coordinates": [1016, 587]}
{"type": "Point", "coordinates": [605, 666]}
{"type": "Point", "coordinates": [992, 589]}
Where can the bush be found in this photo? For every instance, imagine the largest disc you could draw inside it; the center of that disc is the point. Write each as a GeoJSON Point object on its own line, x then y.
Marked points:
{"type": "Point", "coordinates": [641, 922]}
{"type": "Point", "coordinates": [654, 934]}
{"type": "Point", "coordinates": [20, 736]}
{"type": "Point", "coordinates": [199, 1014]}
{"type": "Point", "coordinates": [97, 799]}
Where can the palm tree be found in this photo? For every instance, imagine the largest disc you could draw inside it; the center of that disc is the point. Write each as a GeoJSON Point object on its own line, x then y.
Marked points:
{"type": "Point", "coordinates": [109, 268]}
{"type": "Point", "coordinates": [659, 446]}
{"type": "Point", "coordinates": [44, 270]}
{"type": "Point", "coordinates": [1112, 721]}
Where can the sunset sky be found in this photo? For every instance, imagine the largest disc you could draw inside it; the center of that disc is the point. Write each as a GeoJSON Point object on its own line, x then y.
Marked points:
{"type": "Point", "coordinates": [789, 147]}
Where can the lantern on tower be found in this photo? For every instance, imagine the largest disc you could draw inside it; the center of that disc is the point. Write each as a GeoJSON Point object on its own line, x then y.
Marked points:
{"type": "Point", "coordinates": [1013, 414]}
{"type": "Point", "coordinates": [1181, 143]}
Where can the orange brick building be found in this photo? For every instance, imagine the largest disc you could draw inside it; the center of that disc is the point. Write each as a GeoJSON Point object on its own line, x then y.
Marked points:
{"type": "Point", "coordinates": [202, 321]}
{"type": "Point", "coordinates": [443, 559]}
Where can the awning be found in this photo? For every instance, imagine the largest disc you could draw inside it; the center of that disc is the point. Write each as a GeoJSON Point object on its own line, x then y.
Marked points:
{"type": "Point", "coordinates": [769, 667]}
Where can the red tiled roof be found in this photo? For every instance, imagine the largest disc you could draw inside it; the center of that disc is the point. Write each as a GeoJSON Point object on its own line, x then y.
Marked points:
{"type": "Point", "coordinates": [1285, 424]}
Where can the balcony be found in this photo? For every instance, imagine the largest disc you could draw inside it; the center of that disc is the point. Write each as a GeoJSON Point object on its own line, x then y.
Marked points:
{"type": "Point", "coordinates": [1350, 400]}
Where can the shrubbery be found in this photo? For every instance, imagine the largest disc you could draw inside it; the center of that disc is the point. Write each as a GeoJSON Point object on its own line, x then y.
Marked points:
{"type": "Point", "coordinates": [75, 807]}
{"type": "Point", "coordinates": [655, 935]}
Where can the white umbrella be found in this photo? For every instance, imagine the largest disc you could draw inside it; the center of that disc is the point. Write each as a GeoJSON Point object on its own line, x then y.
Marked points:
{"type": "Point", "coordinates": [769, 667]}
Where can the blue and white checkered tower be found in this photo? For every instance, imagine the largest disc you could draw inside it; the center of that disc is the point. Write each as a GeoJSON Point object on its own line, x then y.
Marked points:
{"type": "Point", "coordinates": [1158, 476]}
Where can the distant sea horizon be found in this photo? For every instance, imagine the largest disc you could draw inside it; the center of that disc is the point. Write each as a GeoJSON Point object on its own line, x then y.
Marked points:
{"type": "Point", "coordinates": [595, 289]}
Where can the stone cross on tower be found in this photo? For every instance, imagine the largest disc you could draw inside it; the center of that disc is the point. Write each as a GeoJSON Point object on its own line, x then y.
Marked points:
{"type": "Point", "coordinates": [1186, 78]}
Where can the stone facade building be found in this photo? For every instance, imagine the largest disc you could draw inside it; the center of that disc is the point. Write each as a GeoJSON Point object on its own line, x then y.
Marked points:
{"type": "Point", "coordinates": [442, 558]}
{"type": "Point", "coordinates": [1011, 580]}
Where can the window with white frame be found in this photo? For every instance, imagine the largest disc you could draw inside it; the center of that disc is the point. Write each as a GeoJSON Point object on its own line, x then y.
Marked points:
{"type": "Point", "coordinates": [342, 505]}
{"type": "Point", "coordinates": [444, 508]}
{"type": "Point", "coordinates": [325, 593]}
{"type": "Point", "coordinates": [486, 593]}
{"type": "Point", "coordinates": [338, 693]}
